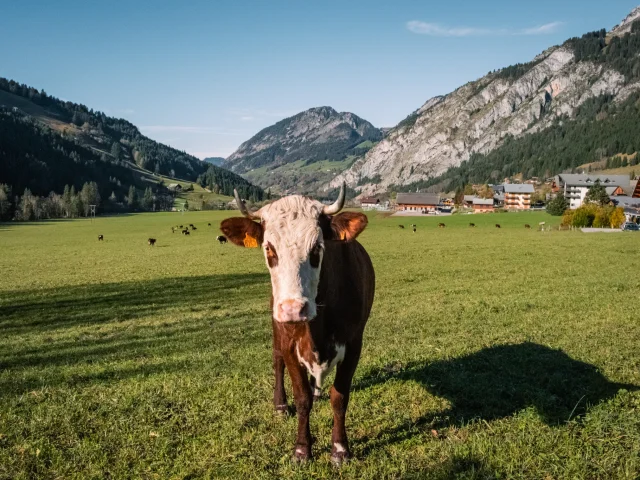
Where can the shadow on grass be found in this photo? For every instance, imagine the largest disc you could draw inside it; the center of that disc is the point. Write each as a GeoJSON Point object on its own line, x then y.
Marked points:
{"type": "Point", "coordinates": [52, 309]}
{"type": "Point", "coordinates": [43, 314]}
{"type": "Point", "coordinates": [498, 382]}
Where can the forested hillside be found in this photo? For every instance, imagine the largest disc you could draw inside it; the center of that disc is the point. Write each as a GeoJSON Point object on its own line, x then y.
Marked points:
{"type": "Point", "coordinates": [47, 144]}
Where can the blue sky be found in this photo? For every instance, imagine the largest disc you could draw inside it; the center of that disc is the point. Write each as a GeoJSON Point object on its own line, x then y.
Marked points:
{"type": "Point", "coordinates": [204, 76]}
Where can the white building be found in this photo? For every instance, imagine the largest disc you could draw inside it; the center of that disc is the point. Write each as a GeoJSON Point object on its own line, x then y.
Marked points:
{"type": "Point", "coordinates": [575, 186]}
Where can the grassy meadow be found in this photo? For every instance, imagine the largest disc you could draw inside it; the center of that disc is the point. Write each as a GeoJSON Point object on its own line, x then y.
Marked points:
{"type": "Point", "coordinates": [490, 353]}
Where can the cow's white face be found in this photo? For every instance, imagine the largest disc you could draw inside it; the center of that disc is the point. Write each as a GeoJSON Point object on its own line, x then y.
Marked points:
{"type": "Point", "coordinates": [293, 247]}
{"type": "Point", "coordinates": [292, 233]}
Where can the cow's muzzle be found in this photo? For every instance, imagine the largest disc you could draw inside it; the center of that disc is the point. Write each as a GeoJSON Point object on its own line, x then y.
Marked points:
{"type": "Point", "coordinates": [292, 311]}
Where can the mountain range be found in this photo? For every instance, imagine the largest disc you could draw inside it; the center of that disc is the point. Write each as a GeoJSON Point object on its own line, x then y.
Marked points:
{"type": "Point", "coordinates": [485, 130]}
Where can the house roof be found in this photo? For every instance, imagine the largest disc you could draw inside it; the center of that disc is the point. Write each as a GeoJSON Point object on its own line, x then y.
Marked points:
{"type": "Point", "coordinates": [581, 180]}
{"type": "Point", "coordinates": [469, 198]}
{"type": "Point", "coordinates": [418, 198]}
{"type": "Point", "coordinates": [369, 200]}
{"type": "Point", "coordinates": [483, 201]}
{"type": "Point", "coordinates": [173, 185]}
{"type": "Point", "coordinates": [518, 188]}
{"type": "Point", "coordinates": [625, 201]}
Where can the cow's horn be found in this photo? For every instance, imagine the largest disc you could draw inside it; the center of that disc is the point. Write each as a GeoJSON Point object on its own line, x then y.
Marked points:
{"type": "Point", "coordinates": [337, 205]}
{"type": "Point", "coordinates": [242, 207]}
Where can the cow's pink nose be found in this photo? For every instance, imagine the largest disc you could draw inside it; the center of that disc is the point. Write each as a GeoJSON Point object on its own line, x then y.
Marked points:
{"type": "Point", "coordinates": [293, 310]}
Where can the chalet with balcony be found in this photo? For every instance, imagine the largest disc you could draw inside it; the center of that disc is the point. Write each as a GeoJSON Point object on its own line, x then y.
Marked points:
{"type": "Point", "coordinates": [482, 205]}
{"type": "Point", "coordinates": [517, 196]}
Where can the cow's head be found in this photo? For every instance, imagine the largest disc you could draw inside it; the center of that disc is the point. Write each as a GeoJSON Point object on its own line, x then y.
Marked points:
{"type": "Point", "coordinates": [292, 233]}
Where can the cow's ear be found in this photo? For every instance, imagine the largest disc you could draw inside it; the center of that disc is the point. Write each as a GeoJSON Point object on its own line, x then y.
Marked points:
{"type": "Point", "coordinates": [346, 226]}
{"type": "Point", "coordinates": [242, 231]}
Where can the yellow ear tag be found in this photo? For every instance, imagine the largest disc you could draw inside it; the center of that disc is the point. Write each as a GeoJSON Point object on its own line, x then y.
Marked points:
{"type": "Point", "coordinates": [343, 235]}
{"type": "Point", "coordinates": [249, 241]}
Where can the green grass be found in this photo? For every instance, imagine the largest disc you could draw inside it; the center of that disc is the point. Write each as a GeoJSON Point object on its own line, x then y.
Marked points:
{"type": "Point", "coordinates": [490, 353]}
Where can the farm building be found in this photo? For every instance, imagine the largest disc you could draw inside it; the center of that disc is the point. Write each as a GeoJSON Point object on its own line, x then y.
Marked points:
{"type": "Point", "coordinates": [517, 196]}
{"type": "Point", "coordinates": [575, 186]}
{"type": "Point", "coordinates": [373, 203]}
{"type": "Point", "coordinates": [482, 205]}
{"type": "Point", "coordinates": [418, 202]}
{"type": "Point", "coordinates": [174, 187]}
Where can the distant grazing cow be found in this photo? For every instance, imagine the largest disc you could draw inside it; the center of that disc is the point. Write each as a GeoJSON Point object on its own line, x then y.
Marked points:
{"type": "Point", "coordinates": [222, 239]}
{"type": "Point", "coordinates": [414, 229]}
{"type": "Point", "coordinates": [193, 228]}
{"type": "Point", "coordinates": [186, 232]}
{"type": "Point", "coordinates": [173, 230]}
{"type": "Point", "coordinates": [181, 226]}
{"type": "Point", "coordinates": [441, 225]}
{"type": "Point", "coordinates": [400, 226]}
{"type": "Point", "coordinates": [152, 242]}
{"type": "Point", "coordinates": [100, 238]}
{"type": "Point", "coordinates": [498, 225]}
{"type": "Point", "coordinates": [208, 224]}
{"type": "Point", "coordinates": [322, 290]}
{"type": "Point", "coordinates": [191, 225]}
{"type": "Point", "coordinates": [472, 225]}
{"type": "Point", "coordinates": [526, 225]}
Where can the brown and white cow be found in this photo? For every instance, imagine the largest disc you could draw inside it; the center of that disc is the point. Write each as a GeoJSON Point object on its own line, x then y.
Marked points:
{"type": "Point", "coordinates": [322, 284]}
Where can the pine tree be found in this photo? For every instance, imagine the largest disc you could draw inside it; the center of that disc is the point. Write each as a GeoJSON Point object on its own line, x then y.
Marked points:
{"type": "Point", "coordinates": [147, 199]}
{"type": "Point", "coordinates": [597, 194]}
{"type": "Point", "coordinates": [116, 150]}
{"type": "Point", "coordinates": [558, 205]}
{"type": "Point", "coordinates": [132, 198]}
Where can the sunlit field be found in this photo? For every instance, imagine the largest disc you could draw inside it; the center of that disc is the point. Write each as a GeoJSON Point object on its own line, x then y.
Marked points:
{"type": "Point", "coordinates": [490, 353]}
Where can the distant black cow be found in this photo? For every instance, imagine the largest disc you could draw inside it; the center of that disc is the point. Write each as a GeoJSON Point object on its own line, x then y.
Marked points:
{"type": "Point", "coordinates": [191, 225]}
{"type": "Point", "coordinates": [186, 232]}
{"type": "Point", "coordinates": [498, 225]}
{"type": "Point", "coordinates": [526, 225]}
{"type": "Point", "coordinates": [472, 225]}
{"type": "Point", "coordinates": [152, 242]}
{"type": "Point", "coordinates": [441, 225]}
{"type": "Point", "coordinates": [400, 226]}
{"type": "Point", "coordinates": [414, 229]}
{"type": "Point", "coordinates": [181, 226]}
{"type": "Point", "coordinates": [209, 224]}
{"type": "Point", "coordinates": [173, 230]}
{"type": "Point", "coordinates": [222, 239]}
{"type": "Point", "coordinates": [100, 237]}
{"type": "Point", "coordinates": [193, 228]}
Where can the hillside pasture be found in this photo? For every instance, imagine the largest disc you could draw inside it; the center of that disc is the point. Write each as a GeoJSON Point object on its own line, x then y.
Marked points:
{"type": "Point", "coordinates": [490, 353]}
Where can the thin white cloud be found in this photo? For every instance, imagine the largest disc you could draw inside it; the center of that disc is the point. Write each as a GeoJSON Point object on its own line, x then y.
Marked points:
{"type": "Point", "coordinates": [247, 118]}
{"type": "Point", "coordinates": [437, 30]}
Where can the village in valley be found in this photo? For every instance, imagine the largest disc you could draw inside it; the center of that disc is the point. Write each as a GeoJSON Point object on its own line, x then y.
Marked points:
{"type": "Point", "coordinates": [531, 195]}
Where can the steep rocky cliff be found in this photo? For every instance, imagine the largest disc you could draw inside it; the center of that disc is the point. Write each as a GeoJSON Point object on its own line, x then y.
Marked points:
{"type": "Point", "coordinates": [478, 116]}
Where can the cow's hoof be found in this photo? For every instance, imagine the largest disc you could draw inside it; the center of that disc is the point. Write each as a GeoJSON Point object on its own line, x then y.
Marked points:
{"type": "Point", "coordinates": [339, 459]}
{"type": "Point", "coordinates": [283, 410]}
{"type": "Point", "coordinates": [339, 455]}
{"type": "Point", "coordinates": [301, 455]}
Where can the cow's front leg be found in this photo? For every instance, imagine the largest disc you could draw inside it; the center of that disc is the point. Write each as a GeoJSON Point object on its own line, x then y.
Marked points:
{"type": "Point", "coordinates": [340, 400]}
{"type": "Point", "coordinates": [304, 401]}
{"type": "Point", "coordinates": [279, 394]}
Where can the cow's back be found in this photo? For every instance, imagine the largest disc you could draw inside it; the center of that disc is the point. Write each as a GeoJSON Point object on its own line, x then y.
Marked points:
{"type": "Point", "coordinates": [347, 287]}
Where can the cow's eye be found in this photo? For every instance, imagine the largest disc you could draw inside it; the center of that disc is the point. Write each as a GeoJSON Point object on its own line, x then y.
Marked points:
{"type": "Point", "coordinates": [314, 255]}
{"type": "Point", "coordinates": [272, 256]}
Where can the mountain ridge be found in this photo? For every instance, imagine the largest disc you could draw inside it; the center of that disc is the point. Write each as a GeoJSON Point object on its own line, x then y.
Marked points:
{"type": "Point", "coordinates": [477, 117]}
{"type": "Point", "coordinates": [319, 134]}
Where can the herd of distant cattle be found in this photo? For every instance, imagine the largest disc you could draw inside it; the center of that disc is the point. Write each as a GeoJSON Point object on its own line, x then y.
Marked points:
{"type": "Point", "coordinates": [184, 230]}
{"type": "Point", "coordinates": [222, 239]}
{"type": "Point", "coordinates": [442, 225]}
